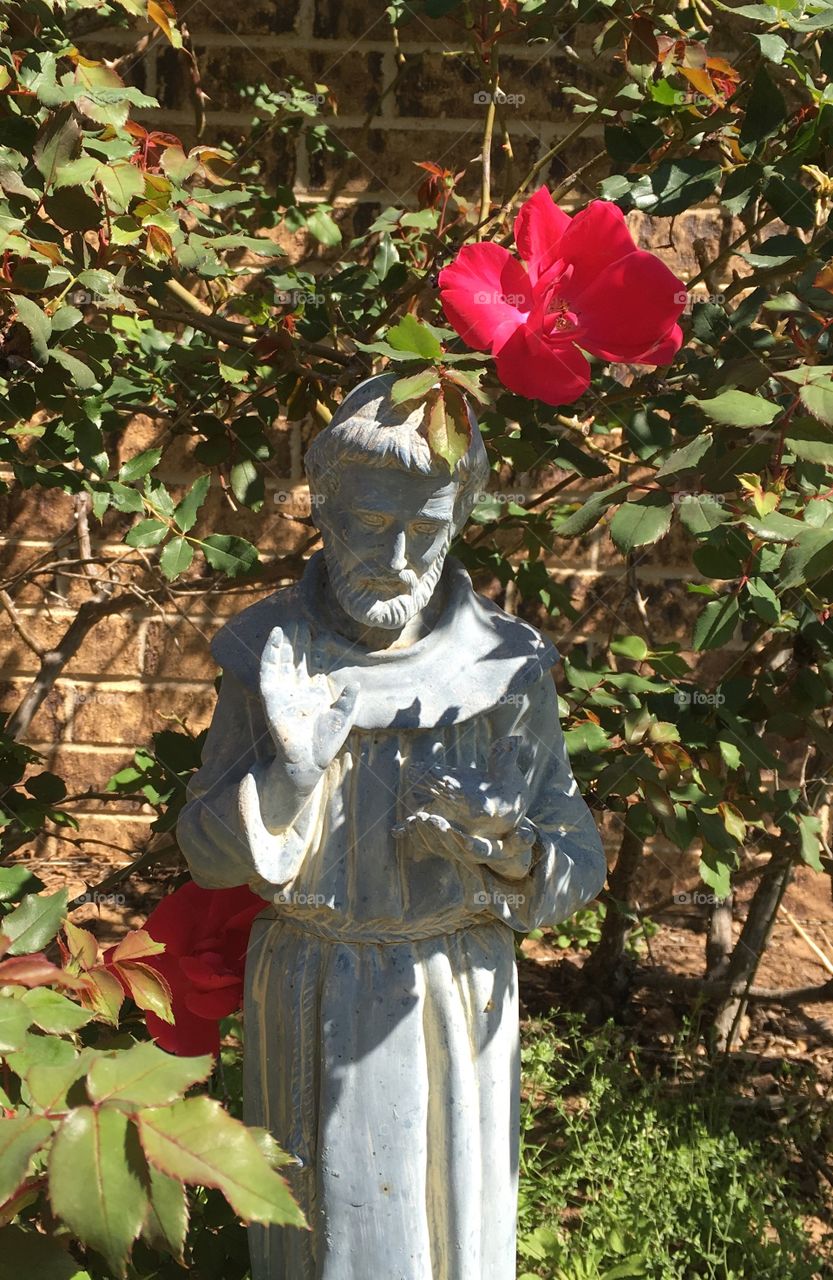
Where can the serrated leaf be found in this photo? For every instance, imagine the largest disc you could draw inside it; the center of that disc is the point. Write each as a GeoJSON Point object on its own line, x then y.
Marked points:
{"type": "Point", "coordinates": [715, 626]}
{"type": "Point", "coordinates": [701, 512]}
{"type": "Point", "coordinates": [139, 465]}
{"type": "Point", "coordinates": [197, 1142]}
{"type": "Point", "coordinates": [412, 336]}
{"type": "Point", "coordinates": [247, 483]}
{"type": "Point", "coordinates": [185, 514]}
{"type": "Point", "coordinates": [81, 374]}
{"type": "Point", "coordinates": [640, 523]}
{"type": "Point", "coordinates": [633, 647]}
{"type": "Point", "coordinates": [686, 457]}
{"type": "Point", "coordinates": [97, 1179]}
{"type": "Point", "coordinates": [122, 182]}
{"type": "Point", "coordinates": [53, 1012]}
{"type": "Point", "coordinates": [20, 1138]}
{"type": "Point", "coordinates": [325, 229]}
{"type": "Point", "coordinates": [145, 1075]}
{"type": "Point", "coordinates": [35, 922]}
{"type": "Point", "coordinates": [810, 441]}
{"type": "Point", "coordinates": [58, 142]}
{"type": "Point", "coordinates": [39, 325]}
{"type": "Point", "coordinates": [809, 559]}
{"type": "Point", "coordinates": [48, 1084]}
{"type": "Point", "coordinates": [739, 409]}
{"type": "Point", "coordinates": [229, 554]}
{"type": "Point", "coordinates": [176, 557]}
{"type": "Point", "coordinates": [817, 398]}
{"type": "Point", "coordinates": [589, 514]}
{"type": "Point", "coordinates": [148, 988]}
{"type": "Point", "coordinates": [146, 533]}
{"type": "Point", "coordinates": [166, 1224]}
{"type": "Point", "coordinates": [15, 1021]}
{"type": "Point", "coordinates": [447, 427]}
{"type": "Point", "coordinates": [15, 882]}
{"type": "Point", "coordinates": [414, 387]}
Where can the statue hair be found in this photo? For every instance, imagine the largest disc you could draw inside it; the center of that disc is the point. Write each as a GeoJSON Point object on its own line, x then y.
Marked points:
{"type": "Point", "coordinates": [368, 427]}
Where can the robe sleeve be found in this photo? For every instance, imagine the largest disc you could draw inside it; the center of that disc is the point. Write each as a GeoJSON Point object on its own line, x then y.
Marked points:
{"type": "Point", "coordinates": [568, 865]}
{"type": "Point", "coordinates": [228, 829]}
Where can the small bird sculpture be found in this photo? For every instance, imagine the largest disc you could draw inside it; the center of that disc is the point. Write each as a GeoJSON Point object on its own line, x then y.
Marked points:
{"type": "Point", "coordinates": [488, 803]}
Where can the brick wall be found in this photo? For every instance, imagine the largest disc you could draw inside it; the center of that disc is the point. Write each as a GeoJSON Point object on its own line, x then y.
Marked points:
{"type": "Point", "coordinates": [138, 671]}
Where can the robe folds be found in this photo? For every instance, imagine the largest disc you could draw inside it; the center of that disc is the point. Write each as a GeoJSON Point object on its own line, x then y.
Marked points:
{"type": "Point", "coordinates": [381, 1019]}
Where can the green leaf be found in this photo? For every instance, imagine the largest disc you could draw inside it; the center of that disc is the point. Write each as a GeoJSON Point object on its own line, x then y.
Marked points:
{"type": "Point", "coordinates": [686, 457]}
{"type": "Point", "coordinates": [775, 527]}
{"type": "Point", "coordinates": [36, 1256]}
{"type": "Point", "coordinates": [640, 523]}
{"type": "Point", "coordinates": [766, 110]}
{"type": "Point", "coordinates": [589, 514]}
{"type": "Point", "coordinates": [633, 647]}
{"type": "Point", "coordinates": [35, 922]}
{"type": "Point", "coordinates": [49, 1083]}
{"type": "Point", "coordinates": [15, 1021]}
{"type": "Point", "coordinates": [20, 1138]}
{"type": "Point", "coordinates": [185, 515]}
{"type": "Point", "coordinates": [73, 210]}
{"type": "Point", "coordinates": [229, 554]}
{"type": "Point", "coordinates": [176, 557]}
{"type": "Point", "coordinates": [701, 512]}
{"type": "Point", "coordinates": [420, 339]}
{"type": "Point", "coordinates": [763, 600]}
{"type": "Point", "coordinates": [447, 426]}
{"type": "Point", "coordinates": [167, 1221]}
{"type": "Point", "coordinates": [39, 325]}
{"type": "Point", "coordinates": [145, 1075]}
{"type": "Point", "coordinates": [808, 440]}
{"type": "Point", "coordinates": [325, 229]}
{"type": "Point", "coordinates": [817, 398]}
{"type": "Point", "coordinates": [715, 626]}
{"type": "Point", "coordinates": [53, 1012]}
{"type": "Point", "coordinates": [738, 409]}
{"type": "Point", "coordinates": [146, 533]}
{"type": "Point", "coordinates": [122, 182]}
{"type": "Point", "coordinates": [196, 1141]}
{"type": "Point", "coordinates": [809, 829]}
{"type": "Point", "coordinates": [15, 882]}
{"type": "Point", "coordinates": [97, 1181]}
{"type": "Point", "coordinates": [139, 465]}
{"type": "Point", "coordinates": [57, 143]}
{"type": "Point", "coordinates": [809, 559]}
{"type": "Point", "coordinates": [414, 387]}
{"type": "Point", "coordinates": [247, 483]}
{"type": "Point", "coordinates": [81, 374]}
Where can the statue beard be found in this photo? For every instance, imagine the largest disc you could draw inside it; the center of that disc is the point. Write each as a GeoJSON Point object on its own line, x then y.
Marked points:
{"type": "Point", "coordinates": [364, 604]}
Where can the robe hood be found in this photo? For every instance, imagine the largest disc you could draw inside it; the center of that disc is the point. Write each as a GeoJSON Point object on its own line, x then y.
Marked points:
{"type": "Point", "coordinates": [475, 656]}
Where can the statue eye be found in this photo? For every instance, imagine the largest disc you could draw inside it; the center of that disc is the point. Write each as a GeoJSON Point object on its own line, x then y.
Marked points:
{"type": "Point", "coordinates": [425, 526]}
{"type": "Point", "coordinates": [371, 519]}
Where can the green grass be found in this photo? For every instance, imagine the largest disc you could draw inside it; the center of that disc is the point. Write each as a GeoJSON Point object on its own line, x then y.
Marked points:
{"type": "Point", "coordinates": [629, 1171]}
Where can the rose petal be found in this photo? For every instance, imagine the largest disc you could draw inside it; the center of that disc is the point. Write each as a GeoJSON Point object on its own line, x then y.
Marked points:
{"type": "Point", "coordinates": [189, 1036]}
{"type": "Point", "coordinates": [596, 239]}
{"type": "Point", "coordinates": [664, 351]}
{"type": "Point", "coordinates": [555, 373]}
{"type": "Point", "coordinates": [215, 1004]}
{"type": "Point", "coordinates": [484, 289]}
{"type": "Point", "coordinates": [539, 227]}
{"type": "Point", "coordinates": [631, 308]}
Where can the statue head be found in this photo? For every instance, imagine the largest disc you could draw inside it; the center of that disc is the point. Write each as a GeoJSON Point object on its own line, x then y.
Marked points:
{"type": "Point", "coordinates": [386, 507]}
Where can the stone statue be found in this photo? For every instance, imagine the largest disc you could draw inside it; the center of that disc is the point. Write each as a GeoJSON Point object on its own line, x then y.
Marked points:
{"type": "Point", "coordinates": [386, 768]}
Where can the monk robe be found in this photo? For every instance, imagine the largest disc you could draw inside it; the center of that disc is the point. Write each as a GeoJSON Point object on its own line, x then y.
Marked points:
{"type": "Point", "coordinates": [381, 1009]}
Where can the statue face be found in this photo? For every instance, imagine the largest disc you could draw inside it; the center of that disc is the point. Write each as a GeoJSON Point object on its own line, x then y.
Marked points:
{"type": "Point", "coordinates": [386, 534]}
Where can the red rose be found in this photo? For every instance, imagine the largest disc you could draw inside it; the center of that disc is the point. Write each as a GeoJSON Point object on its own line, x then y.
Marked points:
{"type": "Point", "coordinates": [585, 287]}
{"type": "Point", "coordinates": [206, 935]}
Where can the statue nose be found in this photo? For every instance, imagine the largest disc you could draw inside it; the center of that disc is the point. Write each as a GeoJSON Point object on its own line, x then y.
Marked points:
{"type": "Point", "coordinates": [398, 559]}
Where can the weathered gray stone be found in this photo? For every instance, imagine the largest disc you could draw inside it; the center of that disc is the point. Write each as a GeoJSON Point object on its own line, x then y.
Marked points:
{"type": "Point", "coordinates": [386, 768]}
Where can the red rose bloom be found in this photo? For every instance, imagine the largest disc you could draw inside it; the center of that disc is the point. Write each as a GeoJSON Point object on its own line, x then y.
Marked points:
{"type": "Point", "coordinates": [585, 287]}
{"type": "Point", "coordinates": [206, 935]}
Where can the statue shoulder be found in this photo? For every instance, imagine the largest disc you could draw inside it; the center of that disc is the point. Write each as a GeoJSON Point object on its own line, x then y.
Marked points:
{"type": "Point", "coordinates": [497, 635]}
{"type": "Point", "coordinates": [238, 646]}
